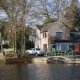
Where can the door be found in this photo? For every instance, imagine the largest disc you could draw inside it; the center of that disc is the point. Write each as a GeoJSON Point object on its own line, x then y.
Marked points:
{"type": "Point", "coordinates": [45, 47]}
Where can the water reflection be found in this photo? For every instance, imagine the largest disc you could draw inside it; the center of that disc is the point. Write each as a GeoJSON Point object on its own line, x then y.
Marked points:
{"type": "Point", "coordinates": [39, 72]}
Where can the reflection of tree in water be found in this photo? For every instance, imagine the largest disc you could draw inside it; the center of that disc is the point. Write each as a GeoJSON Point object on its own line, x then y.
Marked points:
{"type": "Point", "coordinates": [19, 72]}
{"type": "Point", "coordinates": [22, 72]}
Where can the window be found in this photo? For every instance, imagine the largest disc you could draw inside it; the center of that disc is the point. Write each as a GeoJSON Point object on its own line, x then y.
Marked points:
{"type": "Point", "coordinates": [59, 35]}
{"type": "Point", "coordinates": [44, 35]}
{"type": "Point", "coordinates": [37, 49]}
{"type": "Point", "coordinates": [53, 46]}
{"type": "Point", "coordinates": [45, 47]}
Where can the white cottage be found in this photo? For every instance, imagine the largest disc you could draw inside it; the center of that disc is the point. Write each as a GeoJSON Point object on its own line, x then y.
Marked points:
{"type": "Point", "coordinates": [36, 35]}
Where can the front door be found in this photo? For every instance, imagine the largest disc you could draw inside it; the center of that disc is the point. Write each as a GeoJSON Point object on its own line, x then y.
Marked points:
{"type": "Point", "coordinates": [45, 47]}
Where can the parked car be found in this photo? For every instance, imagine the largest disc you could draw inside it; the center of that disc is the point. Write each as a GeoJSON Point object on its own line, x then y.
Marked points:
{"type": "Point", "coordinates": [35, 51]}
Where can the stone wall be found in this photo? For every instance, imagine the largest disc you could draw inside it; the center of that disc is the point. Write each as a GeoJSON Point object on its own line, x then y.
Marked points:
{"type": "Point", "coordinates": [40, 60]}
{"type": "Point", "coordinates": [2, 57]}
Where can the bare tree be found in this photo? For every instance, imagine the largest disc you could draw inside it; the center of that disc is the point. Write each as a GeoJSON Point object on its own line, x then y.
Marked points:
{"type": "Point", "coordinates": [43, 9]}
{"type": "Point", "coordinates": [16, 11]}
{"type": "Point", "coordinates": [70, 14]}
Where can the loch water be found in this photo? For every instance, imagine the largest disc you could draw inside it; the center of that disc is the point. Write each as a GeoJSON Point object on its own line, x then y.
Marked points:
{"type": "Point", "coordinates": [39, 71]}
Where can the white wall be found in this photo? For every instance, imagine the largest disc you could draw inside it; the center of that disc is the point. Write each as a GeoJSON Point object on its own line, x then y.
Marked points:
{"type": "Point", "coordinates": [44, 40]}
{"type": "Point", "coordinates": [37, 39]}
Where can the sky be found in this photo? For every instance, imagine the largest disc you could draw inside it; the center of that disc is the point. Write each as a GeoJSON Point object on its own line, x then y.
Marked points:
{"type": "Point", "coordinates": [29, 19]}
{"type": "Point", "coordinates": [50, 6]}
{"type": "Point", "coordinates": [3, 15]}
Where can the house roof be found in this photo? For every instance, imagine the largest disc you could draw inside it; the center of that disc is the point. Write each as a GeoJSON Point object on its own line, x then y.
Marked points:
{"type": "Point", "coordinates": [76, 33]}
{"type": "Point", "coordinates": [47, 26]}
{"type": "Point", "coordinates": [75, 36]}
{"type": "Point", "coordinates": [39, 27]}
{"type": "Point", "coordinates": [65, 41]}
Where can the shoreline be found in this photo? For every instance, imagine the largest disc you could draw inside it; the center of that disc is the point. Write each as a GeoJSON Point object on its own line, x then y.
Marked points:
{"type": "Point", "coordinates": [40, 60]}
{"type": "Point", "coordinates": [36, 60]}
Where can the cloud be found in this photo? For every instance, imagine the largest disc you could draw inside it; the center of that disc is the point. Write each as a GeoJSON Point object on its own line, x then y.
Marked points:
{"type": "Point", "coordinates": [3, 15]}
